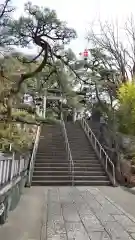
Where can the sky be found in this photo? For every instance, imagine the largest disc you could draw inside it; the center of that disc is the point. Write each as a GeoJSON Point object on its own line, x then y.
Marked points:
{"type": "Point", "coordinates": [80, 14]}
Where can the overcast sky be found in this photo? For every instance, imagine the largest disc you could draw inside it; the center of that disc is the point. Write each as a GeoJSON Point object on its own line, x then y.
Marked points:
{"type": "Point", "coordinates": [80, 14]}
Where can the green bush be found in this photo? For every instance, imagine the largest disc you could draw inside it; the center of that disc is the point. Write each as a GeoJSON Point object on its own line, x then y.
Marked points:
{"type": "Point", "coordinates": [126, 111]}
{"type": "Point", "coordinates": [20, 138]}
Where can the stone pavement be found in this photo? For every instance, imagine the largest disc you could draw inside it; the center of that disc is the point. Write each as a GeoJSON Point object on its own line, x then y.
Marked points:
{"type": "Point", "coordinates": [68, 213]}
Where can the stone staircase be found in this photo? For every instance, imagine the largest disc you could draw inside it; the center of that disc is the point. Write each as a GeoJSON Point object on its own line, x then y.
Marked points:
{"type": "Point", "coordinates": [51, 165]}
{"type": "Point", "coordinates": [87, 168]}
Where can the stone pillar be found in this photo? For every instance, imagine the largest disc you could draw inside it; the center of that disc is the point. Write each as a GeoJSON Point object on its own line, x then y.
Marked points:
{"type": "Point", "coordinates": [74, 114]}
{"type": "Point", "coordinates": [44, 107]}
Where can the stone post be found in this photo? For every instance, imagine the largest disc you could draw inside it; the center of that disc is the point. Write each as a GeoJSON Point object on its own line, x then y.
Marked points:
{"type": "Point", "coordinates": [74, 114]}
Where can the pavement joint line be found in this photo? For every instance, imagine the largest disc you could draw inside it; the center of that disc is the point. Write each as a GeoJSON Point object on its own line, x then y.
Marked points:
{"type": "Point", "coordinates": [43, 224]}
{"type": "Point", "coordinates": [120, 208]}
{"type": "Point", "coordinates": [97, 216]}
{"type": "Point", "coordinates": [81, 219]}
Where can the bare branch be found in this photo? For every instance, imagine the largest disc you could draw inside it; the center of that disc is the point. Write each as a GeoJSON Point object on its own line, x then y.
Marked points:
{"type": "Point", "coordinates": [108, 41]}
{"type": "Point", "coordinates": [5, 8]}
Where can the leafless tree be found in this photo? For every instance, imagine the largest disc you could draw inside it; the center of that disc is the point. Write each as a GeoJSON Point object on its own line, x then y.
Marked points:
{"type": "Point", "coordinates": [130, 33]}
{"type": "Point", "coordinates": [5, 14]}
{"type": "Point", "coordinates": [117, 43]}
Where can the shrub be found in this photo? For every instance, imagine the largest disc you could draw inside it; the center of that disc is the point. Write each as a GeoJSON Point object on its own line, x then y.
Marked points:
{"type": "Point", "coordinates": [126, 111]}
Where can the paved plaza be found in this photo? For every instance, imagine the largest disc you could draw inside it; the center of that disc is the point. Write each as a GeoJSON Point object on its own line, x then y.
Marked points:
{"type": "Point", "coordinates": [69, 213]}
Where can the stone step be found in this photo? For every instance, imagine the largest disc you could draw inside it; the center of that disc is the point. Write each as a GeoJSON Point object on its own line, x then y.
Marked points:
{"type": "Point", "coordinates": [52, 135]}
{"type": "Point", "coordinates": [56, 160]}
{"type": "Point", "coordinates": [64, 156]}
{"type": "Point", "coordinates": [53, 146]}
{"type": "Point", "coordinates": [41, 167]}
{"type": "Point", "coordinates": [52, 183]}
{"type": "Point", "coordinates": [83, 151]}
{"type": "Point", "coordinates": [67, 172]}
{"type": "Point", "coordinates": [52, 158]}
{"type": "Point", "coordinates": [79, 140]}
{"type": "Point", "coordinates": [90, 173]}
{"type": "Point", "coordinates": [43, 152]}
{"type": "Point", "coordinates": [51, 177]}
{"type": "Point", "coordinates": [83, 156]}
{"type": "Point", "coordinates": [51, 173]}
{"type": "Point", "coordinates": [51, 151]}
{"type": "Point", "coordinates": [87, 164]}
{"type": "Point", "coordinates": [49, 164]}
{"type": "Point", "coordinates": [51, 154]}
{"type": "Point", "coordinates": [89, 177]}
{"type": "Point", "coordinates": [47, 146]}
{"type": "Point", "coordinates": [87, 161]}
{"type": "Point", "coordinates": [52, 141]}
{"type": "Point", "coordinates": [81, 146]}
{"type": "Point", "coordinates": [92, 183]}
{"type": "Point", "coordinates": [47, 168]}
{"type": "Point", "coordinates": [62, 164]}
{"type": "Point", "coordinates": [69, 182]}
{"type": "Point", "coordinates": [68, 177]}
